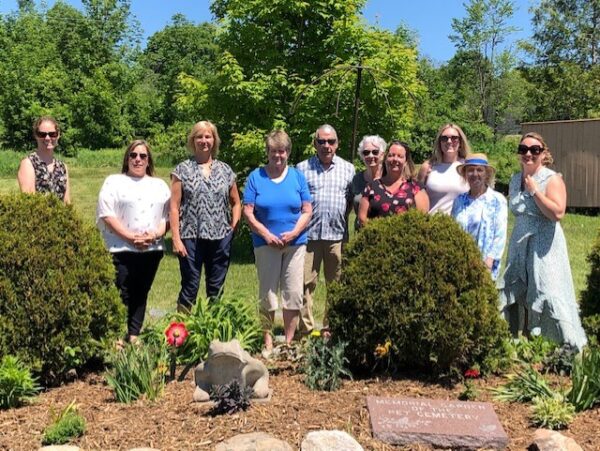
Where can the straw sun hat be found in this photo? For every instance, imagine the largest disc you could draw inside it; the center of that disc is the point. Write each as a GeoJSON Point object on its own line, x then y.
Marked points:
{"type": "Point", "coordinates": [475, 159]}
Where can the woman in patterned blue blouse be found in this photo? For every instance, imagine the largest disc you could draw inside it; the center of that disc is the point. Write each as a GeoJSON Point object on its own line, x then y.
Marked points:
{"type": "Point", "coordinates": [205, 210]}
{"type": "Point", "coordinates": [482, 212]}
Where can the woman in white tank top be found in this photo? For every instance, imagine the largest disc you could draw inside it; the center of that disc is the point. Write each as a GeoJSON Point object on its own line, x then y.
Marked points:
{"type": "Point", "coordinates": [439, 175]}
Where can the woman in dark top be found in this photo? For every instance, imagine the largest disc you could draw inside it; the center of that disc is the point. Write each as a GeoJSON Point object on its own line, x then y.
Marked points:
{"type": "Point", "coordinates": [40, 172]}
{"type": "Point", "coordinates": [371, 151]}
{"type": "Point", "coordinates": [205, 210]}
{"type": "Point", "coordinates": [396, 191]}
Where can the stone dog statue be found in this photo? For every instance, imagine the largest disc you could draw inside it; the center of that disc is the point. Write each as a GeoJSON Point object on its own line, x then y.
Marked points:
{"type": "Point", "coordinates": [228, 361]}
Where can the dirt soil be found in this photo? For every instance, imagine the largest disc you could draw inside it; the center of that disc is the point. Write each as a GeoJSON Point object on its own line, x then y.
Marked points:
{"type": "Point", "coordinates": [175, 422]}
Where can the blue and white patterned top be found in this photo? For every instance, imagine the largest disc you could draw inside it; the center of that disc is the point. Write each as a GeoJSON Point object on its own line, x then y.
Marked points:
{"type": "Point", "coordinates": [331, 193]}
{"type": "Point", "coordinates": [485, 219]}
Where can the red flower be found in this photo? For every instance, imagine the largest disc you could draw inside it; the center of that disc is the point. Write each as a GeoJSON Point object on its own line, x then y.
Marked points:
{"type": "Point", "coordinates": [176, 334]}
{"type": "Point", "coordinates": [472, 373]}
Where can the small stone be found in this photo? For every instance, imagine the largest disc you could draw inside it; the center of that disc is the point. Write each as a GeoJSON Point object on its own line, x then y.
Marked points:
{"type": "Point", "coordinates": [329, 440]}
{"type": "Point", "coordinates": [547, 440]}
{"type": "Point", "coordinates": [255, 441]}
{"type": "Point", "coordinates": [60, 448]}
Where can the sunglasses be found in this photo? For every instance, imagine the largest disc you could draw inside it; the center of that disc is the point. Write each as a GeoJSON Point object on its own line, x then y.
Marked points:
{"type": "Point", "coordinates": [43, 135]}
{"type": "Point", "coordinates": [134, 155]}
{"type": "Point", "coordinates": [330, 141]}
{"type": "Point", "coordinates": [535, 150]}
{"type": "Point", "coordinates": [453, 138]}
{"type": "Point", "coordinates": [373, 152]}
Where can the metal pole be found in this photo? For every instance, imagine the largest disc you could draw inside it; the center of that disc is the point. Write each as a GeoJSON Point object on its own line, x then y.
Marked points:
{"type": "Point", "coordinates": [356, 107]}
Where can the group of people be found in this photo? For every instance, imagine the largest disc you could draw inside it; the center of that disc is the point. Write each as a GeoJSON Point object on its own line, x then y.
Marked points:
{"type": "Point", "coordinates": [298, 218]}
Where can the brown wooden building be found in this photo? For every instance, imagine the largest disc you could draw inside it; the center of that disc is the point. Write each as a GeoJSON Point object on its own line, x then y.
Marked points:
{"type": "Point", "coordinates": [575, 146]}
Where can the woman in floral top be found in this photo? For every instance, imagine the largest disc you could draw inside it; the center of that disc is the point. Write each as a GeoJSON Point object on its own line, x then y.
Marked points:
{"type": "Point", "coordinates": [396, 191]}
{"type": "Point", "coordinates": [40, 172]}
{"type": "Point", "coordinates": [482, 212]}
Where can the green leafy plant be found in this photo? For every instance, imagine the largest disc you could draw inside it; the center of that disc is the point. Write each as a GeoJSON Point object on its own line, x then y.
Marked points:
{"type": "Point", "coordinates": [585, 377]}
{"type": "Point", "coordinates": [17, 386]}
{"type": "Point", "coordinates": [230, 398]}
{"type": "Point", "coordinates": [67, 425]}
{"type": "Point", "coordinates": [54, 309]}
{"type": "Point", "coordinates": [523, 386]}
{"type": "Point", "coordinates": [469, 393]}
{"type": "Point", "coordinates": [534, 349]}
{"type": "Point", "coordinates": [552, 412]}
{"type": "Point", "coordinates": [138, 370]}
{"type": "Point", "coordinates": [324, 364]}
{"type": "Point", "coordinates": [560, 361]}
{"type": "Point", "coordinates": [224, 318]}
{"type": "Point", "coordinates": [434, 301]}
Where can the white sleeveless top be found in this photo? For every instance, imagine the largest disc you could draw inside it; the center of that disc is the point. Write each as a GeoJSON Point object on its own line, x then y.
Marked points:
{"type": "Point", "coordinates": [443, 185]}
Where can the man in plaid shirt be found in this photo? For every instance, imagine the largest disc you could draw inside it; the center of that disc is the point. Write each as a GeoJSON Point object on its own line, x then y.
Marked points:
{"type": "Point", "coordinates": [329, 180]}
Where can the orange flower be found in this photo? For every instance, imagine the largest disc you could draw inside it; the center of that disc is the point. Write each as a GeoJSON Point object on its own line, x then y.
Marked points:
{"type": "Point", "coordinates": [383, 350]}
{"type": "Point", "coordinates": [176, 334]}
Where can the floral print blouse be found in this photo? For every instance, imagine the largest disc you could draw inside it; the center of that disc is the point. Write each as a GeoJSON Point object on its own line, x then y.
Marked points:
{"type": "Point", "coordinates": [384, 203]}
{"type": "Point", "coordinates": [54, 182]}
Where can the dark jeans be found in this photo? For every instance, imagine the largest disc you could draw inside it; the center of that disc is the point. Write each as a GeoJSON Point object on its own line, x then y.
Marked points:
{"type": "Point", "coordinates": [135, 274]}
{"type": "Point", "coordinates": [215, 256]}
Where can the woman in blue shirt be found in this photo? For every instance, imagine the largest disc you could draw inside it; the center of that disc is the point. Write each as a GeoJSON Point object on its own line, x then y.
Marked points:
{"type": "Point", "coordinates": [482, 212]}
{"type": "Point", "coordinates": [277, 206]}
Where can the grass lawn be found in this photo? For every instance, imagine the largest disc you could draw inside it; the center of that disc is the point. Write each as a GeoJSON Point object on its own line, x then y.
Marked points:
{"type": "Point", "coordinates": [580, 231]}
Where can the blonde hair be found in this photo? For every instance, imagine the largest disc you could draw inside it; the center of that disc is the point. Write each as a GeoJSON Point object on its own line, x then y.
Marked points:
{"type": "Point", "coordinates": [408, 171]}
{"type": "Point", "coordinates": [278, 139]}
{"type": "Point", "coordinates": [547, 158]}
{"type": "Point", "coordinates": [463, 149]}
{"type": "Point", "coordinates": [204, 125]}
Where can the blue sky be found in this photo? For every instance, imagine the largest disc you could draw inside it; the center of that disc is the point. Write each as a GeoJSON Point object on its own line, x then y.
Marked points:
{"type": "Point", "coordinates": [431, 19]}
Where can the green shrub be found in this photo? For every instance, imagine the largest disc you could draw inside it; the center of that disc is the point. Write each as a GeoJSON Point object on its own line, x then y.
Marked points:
{"type": "Point", "coordinates": [534, 349]}
{"type": "Point", "coordinates": [502, 155]}
{"type": "Point", "coordinates": [57, 293]}
{"type": "Point", "coordinates": [419, 281]}
{"type": "Point", "coordinates": [552, 412]}
{"type": "Point", "coordinates": [138, 370]}
{"type": "Point", "coordinates": [17, 386]}
{"type": "Point", "coordinates": [585, 377]}
{"type": "Point", "coordinates": [561, 360]}
{"type": "Point", "coordinates": [324, 364]}
{"type": "Point", "coordinates": [9, 162]}
{"type": "Point", "coordinates": [69, 424]}
{"type": "Point", "coordinates": [590, 297]}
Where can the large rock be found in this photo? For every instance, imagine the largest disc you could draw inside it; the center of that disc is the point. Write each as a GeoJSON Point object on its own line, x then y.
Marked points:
{"type": "Point", "coordinates": [547, 440]}
{"type": "Point", "coordinates": [256, 441]}
{"type": "Point", "coordinates": [228, 361]}
{"type": "Point", "coordinates": [329, 440]}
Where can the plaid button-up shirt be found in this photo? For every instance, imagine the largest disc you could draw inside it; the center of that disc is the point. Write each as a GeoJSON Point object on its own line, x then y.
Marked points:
{"type": "Point", "coordinates": [331, 192]}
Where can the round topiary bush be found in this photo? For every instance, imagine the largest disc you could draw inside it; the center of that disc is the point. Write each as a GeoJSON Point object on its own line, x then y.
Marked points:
{"type": "Point", "coordinates": [57, 293]}
{"type": "Point", "coordinates": [590, 297]}
{"type": "Point", "coordinates": [418, 283]}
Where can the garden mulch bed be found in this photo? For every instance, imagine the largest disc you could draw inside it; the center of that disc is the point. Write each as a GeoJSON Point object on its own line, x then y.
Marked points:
{"type": "Point", "coordinates": [174, 422]}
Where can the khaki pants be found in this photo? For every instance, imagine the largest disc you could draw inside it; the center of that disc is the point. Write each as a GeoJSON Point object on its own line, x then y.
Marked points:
{"type": "Point", "coordinates": [330, 254]}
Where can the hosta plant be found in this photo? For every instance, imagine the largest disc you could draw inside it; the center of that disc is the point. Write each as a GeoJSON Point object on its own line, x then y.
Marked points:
{"type": "Point", "coordinates": [552, 412]}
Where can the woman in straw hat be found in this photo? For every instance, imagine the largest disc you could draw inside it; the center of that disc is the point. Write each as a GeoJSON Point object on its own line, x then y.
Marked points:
{"type": "Point", "coordinates": [481, 211]}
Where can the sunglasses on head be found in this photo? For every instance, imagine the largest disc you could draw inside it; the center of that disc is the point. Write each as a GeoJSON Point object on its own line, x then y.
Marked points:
{"type": "Point", "coordinates": [535, 150]}
{"type": "Point", "coordinates": [368, 152]}
{"type": "Point", "coordinates": [134, 155]}
{"type": "Point", "coordinates": [330, 141]}
{"type": "Point", "coordinates": [453, 138]}
{"type": "Point", "coordinates": [42, 135]}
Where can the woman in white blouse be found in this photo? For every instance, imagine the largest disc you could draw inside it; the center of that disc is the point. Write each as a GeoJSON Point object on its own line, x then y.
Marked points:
{"type": "Point", "coordinates": [438, 174]}
{"type": "Point", "coordinates": [132, 215]}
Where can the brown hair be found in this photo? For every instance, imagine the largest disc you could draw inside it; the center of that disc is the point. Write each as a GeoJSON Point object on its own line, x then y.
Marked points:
{"type": "Point", "coordinates": [463, 149]}
{"type": "Point", "coordinates": [278, 139]}
{"type": "Point", "coordinates": [204, 125]}
{"type": "Point", "coordinates": [130, 147]}
{"type": "Point", "coordinates": [547, 159]}
{"type": "Point", "coordinates": [408, 171]}
{"type": "Point", "coordinates": [39, 120]}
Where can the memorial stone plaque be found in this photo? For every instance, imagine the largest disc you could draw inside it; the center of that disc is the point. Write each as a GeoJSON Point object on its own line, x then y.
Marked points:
{"type": "Point", "coordinates": [451, 424]}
